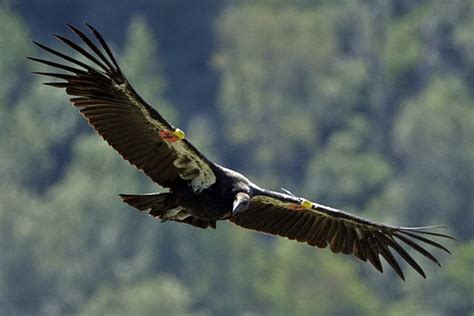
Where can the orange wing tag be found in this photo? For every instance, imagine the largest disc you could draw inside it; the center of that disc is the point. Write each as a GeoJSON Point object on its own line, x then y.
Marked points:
{"type": "Point", "coordinates": [295, 207]}
{"type": "Point", "coordinates": [304, 204]}
{"type": "Point", "coordinates": [172, 136]}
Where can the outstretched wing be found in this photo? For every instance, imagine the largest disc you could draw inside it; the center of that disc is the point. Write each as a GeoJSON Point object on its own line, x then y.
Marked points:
{"type": "Point", "coordinates": [116, 111]}
{"type": "Point", "coordinates": [319, 225]}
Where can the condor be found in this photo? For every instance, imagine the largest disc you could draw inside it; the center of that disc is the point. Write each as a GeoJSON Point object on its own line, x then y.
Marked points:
{"type": "Point", "coordinates": [202, 192]}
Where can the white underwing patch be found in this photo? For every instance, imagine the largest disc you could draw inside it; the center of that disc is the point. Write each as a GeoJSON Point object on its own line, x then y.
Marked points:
{"type": "Point", "coordinates": [177, 213]}
{"type": "Point", "coordinates": [122, 87]}
{"type": "Point", "coordinates": [193, 167]}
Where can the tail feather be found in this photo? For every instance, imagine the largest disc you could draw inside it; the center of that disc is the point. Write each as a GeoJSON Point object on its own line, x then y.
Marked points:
{"type": "Point", "coordinates": [153, 201]}
{"type": "Point", "coordinates": [157, 204]}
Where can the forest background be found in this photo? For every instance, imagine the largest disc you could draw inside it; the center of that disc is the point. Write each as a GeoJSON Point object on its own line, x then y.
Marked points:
{"type": "Point", "coordinates": [364, 105]}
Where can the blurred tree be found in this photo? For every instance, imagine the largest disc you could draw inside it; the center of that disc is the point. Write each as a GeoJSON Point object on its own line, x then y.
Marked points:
{"type": "Point", "coordinates": [22, 285]}
{"type": "Point", "coordinates": [36, 134]}
{"type": "Point", "coordinates": [292, 101]}
{"type": "Point", "coordinates": [20, 119]}
{"type": "Point", "coordinates": [142, 65]}
{"type": "Point", "coordinates": [454, 294]}
{"type": "Point", "coordinates": [303, 282]}
{"type": "Point", "coordinates": [434, 135]}
{"type": "Point", "coordinates": [458, 297]}
{"type": "Point", "coordinates": [273, 87]}
{"type": "Point", "coordinates": [76, 238]}
{"type": "Point", "coordinates": [31, 126]}
{"type": "Point", "coordinates": [154, 296]}
{"type": "Point", "coordinates": [14, 42]}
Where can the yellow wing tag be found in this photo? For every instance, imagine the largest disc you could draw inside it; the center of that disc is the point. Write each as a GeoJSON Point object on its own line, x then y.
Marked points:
{"type": "Point", "coordinates": [172, 136]}
{"type": "Point", "coordinates": [179, 133]}
{"type": "Point", "coordinates": [306, 204]}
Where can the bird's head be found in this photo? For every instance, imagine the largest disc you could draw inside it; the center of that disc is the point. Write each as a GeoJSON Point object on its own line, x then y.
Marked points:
{"type": "Point", "coordinates": [241, 202]}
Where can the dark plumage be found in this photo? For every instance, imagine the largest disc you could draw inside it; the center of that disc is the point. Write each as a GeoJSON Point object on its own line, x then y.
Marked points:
{"type": "Point", "coordinates": [202, 192]}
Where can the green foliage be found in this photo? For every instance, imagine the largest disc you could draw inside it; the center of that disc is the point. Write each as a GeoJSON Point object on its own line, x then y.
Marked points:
{"type": "Point", "coordinates": [37, 123]}
{"type": "Point", "coordinates": [459, 275]}
{"type": "Point", "coordinates": [272, 84]}
{"type": "Point", "coordinates": [435, 136]}
{"type": "Point", "coordinates": [14, 44]}
{"type": "Point", "coordinates": [141, 63]}
{"type": "Point", "coordinates": [305, 282]}
{"type": "Point", "coordinates": [453, 294]}
{"type": "Point", "coordinates": [361, 105]}
{"type": "Point", "coordinates": [403, 50]}
{"type": "Point", "coordinates": [158, 296]}
{"type": "Point", "coordinates": [21, 282]}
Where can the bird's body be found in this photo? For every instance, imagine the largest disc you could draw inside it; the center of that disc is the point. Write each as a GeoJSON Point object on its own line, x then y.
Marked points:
{"type": "Point", "coordinates": [202, 192]}
{"type": "Point", "coordinates": [214, 202]}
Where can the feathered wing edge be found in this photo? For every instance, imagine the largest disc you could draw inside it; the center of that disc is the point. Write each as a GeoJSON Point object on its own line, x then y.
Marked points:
{"type": "Point", "coordinates": [322, 226]}
{"type": "Point", "coordinates": [121, 116]}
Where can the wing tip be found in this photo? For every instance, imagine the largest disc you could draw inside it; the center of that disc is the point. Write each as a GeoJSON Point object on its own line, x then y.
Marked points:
{"type": "Point", "coordinates": [90, 26]}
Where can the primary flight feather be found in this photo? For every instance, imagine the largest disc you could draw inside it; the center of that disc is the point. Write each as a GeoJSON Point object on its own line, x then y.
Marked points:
{"type": "Point", "coordinates": [202, 192]}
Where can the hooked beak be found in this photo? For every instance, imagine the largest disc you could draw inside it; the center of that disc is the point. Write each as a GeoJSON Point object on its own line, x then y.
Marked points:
{"type": "Point", "coordinates": [241, 203]}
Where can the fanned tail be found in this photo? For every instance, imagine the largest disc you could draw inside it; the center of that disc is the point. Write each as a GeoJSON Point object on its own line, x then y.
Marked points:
{"type": "Point", "coordinates": [165, 206]}
{"type": "Point", "coordinates": [157, 203]}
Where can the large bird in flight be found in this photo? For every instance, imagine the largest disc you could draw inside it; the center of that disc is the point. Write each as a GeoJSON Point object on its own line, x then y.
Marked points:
{"type": "Point", "coordinates": [202, 192]}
